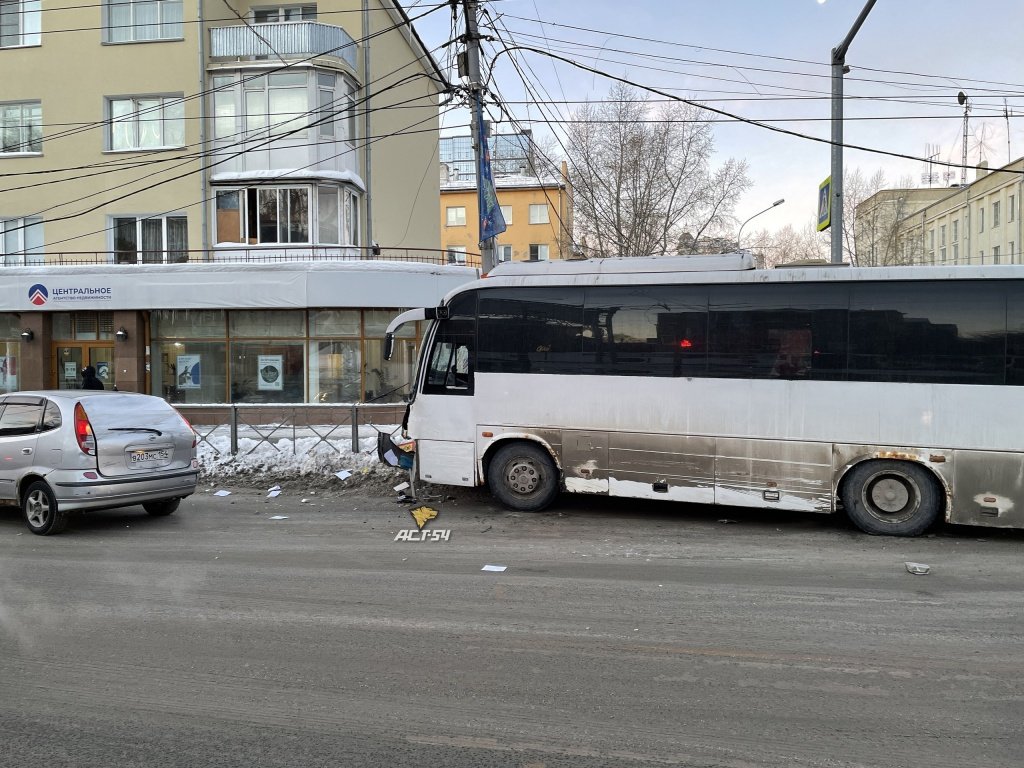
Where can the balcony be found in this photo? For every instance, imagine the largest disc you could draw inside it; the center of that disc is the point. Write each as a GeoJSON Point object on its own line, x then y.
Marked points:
{"type": "Point", "coordinates": [290, 39]}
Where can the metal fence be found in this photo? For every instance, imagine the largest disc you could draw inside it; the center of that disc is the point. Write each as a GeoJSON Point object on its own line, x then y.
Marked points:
{"type": "Point", "coordinates": [272, 424]}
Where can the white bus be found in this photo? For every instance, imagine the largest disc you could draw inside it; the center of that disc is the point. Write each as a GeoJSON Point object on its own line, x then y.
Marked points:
{"type": "Point", "coordinates": [893, 394]}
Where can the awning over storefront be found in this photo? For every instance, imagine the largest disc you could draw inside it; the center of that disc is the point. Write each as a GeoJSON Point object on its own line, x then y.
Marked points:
{"type": "Point", "coordinates": [294, 285]}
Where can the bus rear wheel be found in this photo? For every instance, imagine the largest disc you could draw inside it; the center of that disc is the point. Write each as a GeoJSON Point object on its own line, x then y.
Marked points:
{"type": "Point", "coordinates": [523, 477]}
{"type": "Point", "coordinates": [891, 498]}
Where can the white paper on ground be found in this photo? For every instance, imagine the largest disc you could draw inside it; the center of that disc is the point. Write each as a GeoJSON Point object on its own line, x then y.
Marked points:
{"type": "Point", "coordinates": [274, 493]}
{"type": "Point", "coordinates": [279, 517]}
{"type": "Point", "coordinates": [343, 475]}
{"type": "Point", "coordinates": [222, 493]}
{"type": "Point", "coordinates": [275, 488]}
{"type": "Point", "coordinates": [401, 487]}
{"type": "Point", "coordinates": [496, 568]}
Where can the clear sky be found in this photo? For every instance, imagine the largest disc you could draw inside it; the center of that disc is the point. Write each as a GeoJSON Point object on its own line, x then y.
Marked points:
{"type": "Point", "coordinates": [768, 60]}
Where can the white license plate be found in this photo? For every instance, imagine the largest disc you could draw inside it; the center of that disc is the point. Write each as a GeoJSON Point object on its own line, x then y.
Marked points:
{"type": "Point", "coordinates": [149, 457]}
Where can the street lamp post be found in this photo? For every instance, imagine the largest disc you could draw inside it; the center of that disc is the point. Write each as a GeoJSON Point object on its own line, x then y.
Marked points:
{"type": "Point", "coordinates": [838, 70]}
{"type": "Point", "coordinates": [778, 202]}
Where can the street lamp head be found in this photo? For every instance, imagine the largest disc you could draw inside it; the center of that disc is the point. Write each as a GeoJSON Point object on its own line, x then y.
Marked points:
{"type": "Point", "coordinates": [780, 201]}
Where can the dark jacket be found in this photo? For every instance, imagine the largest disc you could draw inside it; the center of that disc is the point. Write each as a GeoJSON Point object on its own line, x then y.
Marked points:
{"type": "Point", "coordinates": [89, 380]}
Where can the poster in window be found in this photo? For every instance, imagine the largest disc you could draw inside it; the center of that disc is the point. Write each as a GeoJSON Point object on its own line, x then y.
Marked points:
{"type": "Point", "coordinates": [70, 370]}
{"type": "Point", "coordinates": [189, 371]}
{"type": "Point", "coordinates": [270, 373]}
{"type": "Point", "coordinates": [8, 372]}
{"type": "Point", "coordinates": [103, 371]}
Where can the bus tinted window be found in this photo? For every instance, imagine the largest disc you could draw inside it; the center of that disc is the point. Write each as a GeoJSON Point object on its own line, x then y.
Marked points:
{"type": "Point", "coordinates": [531, 330]}
{"type": "Point", "coordinates": [645, 331]}
{"type": "Point", "coordinates": [949, 333]}
{"type": "Point", "coordinates": [1015, 334]}
{"type": "Point", "coordinates": [756, 333]}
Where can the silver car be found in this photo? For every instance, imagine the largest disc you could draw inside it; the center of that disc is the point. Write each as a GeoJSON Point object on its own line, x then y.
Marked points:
{"type": "Point", "coordinates": [70, 450]}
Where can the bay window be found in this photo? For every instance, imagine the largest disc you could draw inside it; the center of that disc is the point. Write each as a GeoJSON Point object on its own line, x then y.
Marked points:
{"type": "Point", "coordinates": [272, 215]}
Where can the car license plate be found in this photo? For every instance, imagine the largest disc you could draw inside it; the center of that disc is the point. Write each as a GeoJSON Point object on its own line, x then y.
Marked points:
{"type": "Point", "coordinates": [149, 457]}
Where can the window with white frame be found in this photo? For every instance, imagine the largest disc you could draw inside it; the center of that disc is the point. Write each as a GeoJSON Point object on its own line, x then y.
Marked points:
{"type": "Point", "coordinates": [456, 254]}
{"type": "Point", "coordinates": [995, 215]}
{"type": "Point", "coordinates": [146, 122]}
{"type": "Point", "coordinates": [506, 213]}
{"type": "Point", "coordinates": [277, 103]}
{"type": "Point", "coordinates": [942, 255]}
{"type": "Point", "coordinates": [21, 241]}
{"type": "Point", "coordinates": [1012, 254]}
{"type": "Point", "coordinates": [21, 128]}
{"type": "Point", "coordinates": [269, 215]}
{"type": "Point", "coordinates": [956, 230]}
{"type": "Point", "coordinates": [456, 215]}
{"type": "Point", "coordinates": [539, 213]}
{"type": "Point", "coordinates": [279, 13]}
{"type": "Point", "coordinates": [956, 253]}
{"type": "Point", "coordinates": [942, 235]}
{"type": "Point", "coordinates": [538, 252]}
{"type": "Point", "coordinates": [995, 254]}
{"type": "Point", "coordinates": [1011, 208]}
{"type": "Point", "coordinates": [137, 21]}
{"type": "Point", "coordinates": [981, 218]}
{"type": "Point", "coordinates": [150, 239]}
{"type": "Point", "coordinates": [504, 253]}
{"type": "Point", "coordinates": [19, 23]}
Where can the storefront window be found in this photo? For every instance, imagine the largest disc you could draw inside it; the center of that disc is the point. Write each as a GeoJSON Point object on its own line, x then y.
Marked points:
{"type": "Point", "coordinates": [188, 324]}
{"type": "Point", "coordinates": [334, 322]}
{"type": "Point", "coordinates": [190, 371]}
{"type": "Point", "coordinates": [267, 372]}
{"type": "Point", "coordinates": [267, 323]}
{"type": "Point", "coordinates": [334, 371]}
{"type": "Point", "coordinates": [83, 326]}
{"type": "Point", "coordinates": [388, 381]}
{"type": "Point", "coordinates": [10, 351]}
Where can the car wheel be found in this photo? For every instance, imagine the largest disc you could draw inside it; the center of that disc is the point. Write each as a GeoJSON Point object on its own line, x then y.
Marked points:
{"type": "Point", "coordinates": [39, 506]}
{"type": "Point", "coordinates": [161, 508]}
{"type": "Point", "coordinates": [894, 498]}
{"type": "Point", "coordinates": [523, 477]}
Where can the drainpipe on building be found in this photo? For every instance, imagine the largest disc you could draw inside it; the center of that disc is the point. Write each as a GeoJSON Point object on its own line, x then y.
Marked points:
{"type": "Point", "coordinates": [367, 176]}
{"type": "Point", "coordinates": [204, 207]}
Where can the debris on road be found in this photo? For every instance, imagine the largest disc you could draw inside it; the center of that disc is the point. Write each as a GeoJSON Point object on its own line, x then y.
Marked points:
{"type": "Point", "coordinates": [343, 474]}
{"type": "Point", "coordinates": [494, 568]}
{"type": "Point", "coordinates": [401, 487]}
{"type": "Point", "coordinates": [918, 569]}
{"type": "Point", "coordinates": [222, 493]}
{"type": "Point", "coordinates": [279, 517]}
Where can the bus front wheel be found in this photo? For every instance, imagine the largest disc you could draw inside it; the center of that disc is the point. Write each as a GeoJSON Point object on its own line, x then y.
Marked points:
{"type": "Point", "coordinates": [894, 498]}
{"type": "Point", "coordinates": [523, 477]}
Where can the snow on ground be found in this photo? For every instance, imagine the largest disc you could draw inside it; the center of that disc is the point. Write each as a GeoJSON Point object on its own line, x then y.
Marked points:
{"type": "Point", "coordinates": [294, 453]}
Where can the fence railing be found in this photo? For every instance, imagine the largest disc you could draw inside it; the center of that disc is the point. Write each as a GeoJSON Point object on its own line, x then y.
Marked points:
{"type": "Point", "coordinates": [260, 254]}
{"type": "Point", "coordinates": [271, 424]}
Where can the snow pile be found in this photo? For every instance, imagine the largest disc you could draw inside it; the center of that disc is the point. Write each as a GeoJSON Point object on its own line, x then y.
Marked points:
{"type": "Point", "coordinates": [305, 455]}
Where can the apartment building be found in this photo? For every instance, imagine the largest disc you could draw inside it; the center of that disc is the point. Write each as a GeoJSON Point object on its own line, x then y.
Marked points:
{"type": "Point", "coordinates": [978, 223]}
{"type": "Point", "coordinates": [536, 204]}
{"type": "Point", "coordinates": [195, 191]}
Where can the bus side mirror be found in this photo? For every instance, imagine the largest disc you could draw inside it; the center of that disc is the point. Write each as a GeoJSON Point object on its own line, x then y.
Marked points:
{"type": "Point", "coordinates": [389, 345]}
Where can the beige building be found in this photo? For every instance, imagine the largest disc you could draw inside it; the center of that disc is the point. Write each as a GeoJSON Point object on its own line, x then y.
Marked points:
{"type": "Point", "coordinates": [979, 223]}
{"type": "Point", "coordinates": [162, 135]}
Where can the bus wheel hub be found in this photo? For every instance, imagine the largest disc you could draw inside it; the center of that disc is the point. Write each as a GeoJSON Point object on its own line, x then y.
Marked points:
{"type": "Point", "coordinates": [523, 477]}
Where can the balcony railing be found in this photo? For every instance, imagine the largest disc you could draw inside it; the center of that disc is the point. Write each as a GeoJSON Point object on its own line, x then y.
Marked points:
{"type": "Point", "coordinates": [259, 254]}
{"type": "Point", "coordinates": [287, 39]}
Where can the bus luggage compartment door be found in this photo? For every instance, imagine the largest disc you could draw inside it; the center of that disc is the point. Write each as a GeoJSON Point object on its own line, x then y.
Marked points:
{"type": "Point", "coordinates": [446, 462]}
{"type": "Point", "coordinates": [988, 489]}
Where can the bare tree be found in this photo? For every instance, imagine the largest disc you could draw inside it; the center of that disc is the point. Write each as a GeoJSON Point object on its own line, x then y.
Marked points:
{"type": "Point", "coordinates": [789, 244]}
{"type": "Point", "coordinates": [643, 177]}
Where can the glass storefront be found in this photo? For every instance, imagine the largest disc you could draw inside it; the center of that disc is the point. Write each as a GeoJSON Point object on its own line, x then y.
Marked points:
{"type": "Point", "coordinates": [279, 356]}
{"type": "Point", "coordinates": [10, 351]}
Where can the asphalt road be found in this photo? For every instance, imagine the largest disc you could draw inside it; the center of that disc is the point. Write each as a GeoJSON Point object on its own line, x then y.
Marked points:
{"type": "Point", "coordinates": [621, 634]}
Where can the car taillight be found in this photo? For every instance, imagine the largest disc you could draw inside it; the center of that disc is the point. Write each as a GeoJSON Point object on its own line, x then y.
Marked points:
{"type": "Point", "coordinates": [195, 437]}
{"type": "Point", "coordinates": [83, 431]}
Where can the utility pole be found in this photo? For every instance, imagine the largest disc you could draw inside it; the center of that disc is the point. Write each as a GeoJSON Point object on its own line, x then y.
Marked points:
{"type": "Point", "coordinates": [838, 70]}
{"type": "Point", "coordinates": [472, 73]}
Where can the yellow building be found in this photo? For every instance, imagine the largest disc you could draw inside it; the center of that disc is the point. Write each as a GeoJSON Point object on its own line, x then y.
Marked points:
{"type": "Point", "coordinates": [538, 215]}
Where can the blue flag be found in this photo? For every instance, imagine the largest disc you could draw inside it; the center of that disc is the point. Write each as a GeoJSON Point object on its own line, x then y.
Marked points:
{"type": "Point", "coordinates": [492, 223]}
